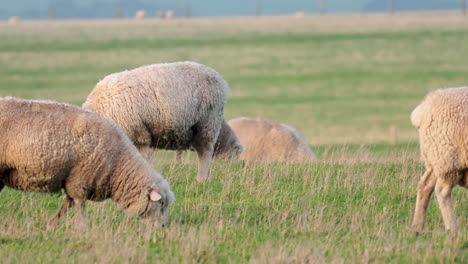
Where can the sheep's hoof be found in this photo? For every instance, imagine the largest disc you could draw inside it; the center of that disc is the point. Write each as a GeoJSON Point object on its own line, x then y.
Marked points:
{"type": "Point", "coordinates": [452, 233]}
{"type": "Point", "coordinates": [418, 230]}
{"type": "Point", "coordinates": [418, 233]}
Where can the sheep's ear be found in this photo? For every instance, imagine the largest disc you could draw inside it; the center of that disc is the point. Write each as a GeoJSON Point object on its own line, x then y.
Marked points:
{"type": "Point", "coordinates": [155, 196]}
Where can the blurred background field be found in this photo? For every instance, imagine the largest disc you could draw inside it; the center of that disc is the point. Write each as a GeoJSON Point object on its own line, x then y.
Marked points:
{"type": "Point", "coordinates": [338, 79]}
{"type": "Point", "coordinates": [347, 82]}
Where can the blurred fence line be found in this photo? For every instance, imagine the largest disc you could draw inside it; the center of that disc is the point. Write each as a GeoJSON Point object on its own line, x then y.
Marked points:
{"type": "Point", "coordinates": [59, 9]}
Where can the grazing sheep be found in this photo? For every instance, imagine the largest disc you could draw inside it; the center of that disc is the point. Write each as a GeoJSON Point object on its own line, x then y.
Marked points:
{"type": "Point", "coordinates": [49, 146]}
{"type": "Point", "coordinates": [442, 122]}
{"type": "Point", "coordinates": [268, 141]}
{"type": "Point", "coordinates": [227, 146]}
{"type": "Point", "coordinates": [172, 106]}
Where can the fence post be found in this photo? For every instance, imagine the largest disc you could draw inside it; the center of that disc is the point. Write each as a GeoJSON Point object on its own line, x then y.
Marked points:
{"type": "Point", "coordinates": [188, 9]}
{"type": "Point", "coordinates": [391, 6]}
{"type": "Point", "coordinates": [258, 9]}
{"type": "Point", "coordinates": [322, 7]}
{"type": "Point", "coordinates": [118, 9]}
{"type": "Point", "coordinates": [463, 7]}
{"type": "Point", "coordinates": [51, 12]}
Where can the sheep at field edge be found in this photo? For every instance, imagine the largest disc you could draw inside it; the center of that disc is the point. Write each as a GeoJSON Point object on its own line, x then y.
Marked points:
{"type": "Point", "coordinates": [442, 122]}
{"type": "Point", "coordinates": [227, 146]}
{"type": "Point", "coordinates": [47, 146]}
{"type": "Point", "coordinates": [267, 141]}
{"type": "Point", "coordinates": [172, 106]}
{"type": "Point", "coordinates": [140, 14]}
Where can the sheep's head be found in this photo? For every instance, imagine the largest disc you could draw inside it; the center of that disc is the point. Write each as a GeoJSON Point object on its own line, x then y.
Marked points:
{"type": "Point", "coordinates": [156, 212]}
{"type": "Point", "coordinates": [231, 151]}
{"type": "Point", "coordinates": [228, 146]}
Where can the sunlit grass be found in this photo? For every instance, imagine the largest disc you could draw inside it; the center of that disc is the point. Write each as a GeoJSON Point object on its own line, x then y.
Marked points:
{"type": "Point", "coordinates": [338, 210]}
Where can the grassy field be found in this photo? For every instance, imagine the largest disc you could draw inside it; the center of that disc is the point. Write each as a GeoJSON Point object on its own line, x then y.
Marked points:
{"type": "Point", "coordinates": [348, 83]}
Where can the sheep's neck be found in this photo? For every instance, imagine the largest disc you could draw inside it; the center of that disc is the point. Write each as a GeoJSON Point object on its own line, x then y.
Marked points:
{"type": "Point", "coordinates": [128, 183]}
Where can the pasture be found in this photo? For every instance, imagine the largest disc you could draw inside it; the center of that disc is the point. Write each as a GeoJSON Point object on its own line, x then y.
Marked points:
{"type": "Point", "coordinates": [348, 83]}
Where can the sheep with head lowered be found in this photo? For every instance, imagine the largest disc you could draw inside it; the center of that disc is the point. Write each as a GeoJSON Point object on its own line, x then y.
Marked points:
{"type": "Point", "coordinates": [268, 141]}
{"type": "Point", "coordinates": [47, 146]}
{"type": "Point", "coordinates": [227, 146]}
{"type": "Point", "coordinates": [442, 122]}
{"type": "Point", "coordinates": [172, 106]}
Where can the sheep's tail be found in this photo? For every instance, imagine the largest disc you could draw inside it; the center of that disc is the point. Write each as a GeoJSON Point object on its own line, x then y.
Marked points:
{"type": "Point", "coordinates": [417, 116]}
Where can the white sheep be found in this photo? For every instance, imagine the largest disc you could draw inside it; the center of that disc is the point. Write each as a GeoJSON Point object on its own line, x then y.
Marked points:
{"type": "Point", "coordinates": [442, 122]}
{"type": "Point", "coordinates": [172, 106]}
{"type": "Point", "coordinates": [48, 146]}
{"type": "Point", "coordinates": [267, 141]}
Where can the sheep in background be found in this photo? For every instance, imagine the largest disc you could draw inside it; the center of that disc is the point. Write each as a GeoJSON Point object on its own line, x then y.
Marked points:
{"type": "Point", "coordinates": [172, 106]}
{"type": "Point", "coordinates": [49, 146]}
{"type": "Point", "coordinates": [267, 141]}
{"type": "Point", "coordinates": [14, 20]}
{"type": "Point", "coordinates": [442, 122]}
{"type": "Point", "coordinates": [227, 146]}
{"type": "Point", "coordinates": [140, 14]}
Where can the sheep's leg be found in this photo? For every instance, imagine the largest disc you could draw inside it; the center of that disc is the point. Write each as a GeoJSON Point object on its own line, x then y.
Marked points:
{"type": "Point", "coordinates": [204, 162]}
{"type": "Point", "coordinates": [67, 204]}
{"type": "Point", "coordinates": [206, 135]}
{"type": "Point", "coordinates": [425, 189]}
{"type": "Point", "coordinates": [82, 217]}
{"type": "Point", "coordinates": [204, 150]}
{"type": "Point", "coordinates": [443, 192]}
{"type": "Point", "coordinates": [1, 185]}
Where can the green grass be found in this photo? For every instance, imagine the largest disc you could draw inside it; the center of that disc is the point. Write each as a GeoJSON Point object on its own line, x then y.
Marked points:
{"type": "Point", "coordinates": [350, 92]}
{"type": "Point", "coordinates": [354, 212]}
{"type": "Point", "coordinates": [338, 83]}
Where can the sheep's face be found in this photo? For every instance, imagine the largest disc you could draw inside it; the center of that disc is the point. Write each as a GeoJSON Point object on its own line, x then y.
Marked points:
{"type": "Point", "coordinates": [228, 146]}
{"type": "Point", "coordinates": [156, 213]}
{"type": "Point", "coordinates": [229, 151]}
{"type": "Point", "coordinates": [232, 153]}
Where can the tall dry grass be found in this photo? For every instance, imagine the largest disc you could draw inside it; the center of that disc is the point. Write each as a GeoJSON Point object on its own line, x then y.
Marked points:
{"type": "Point", "coordinates": [342, 209]}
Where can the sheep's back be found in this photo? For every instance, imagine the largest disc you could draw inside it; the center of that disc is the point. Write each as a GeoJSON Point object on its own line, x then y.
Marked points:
{"type": "Point", "coordinates": [43, 142]}
{"type": "Point", "coordinates": [443, 130]}
{"type": "Point", "coordinates": [164, 98]}
{"type": "Point", "coordinates": [298, 148]}
{"type": "Point", "coordinates": [268, 141]}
